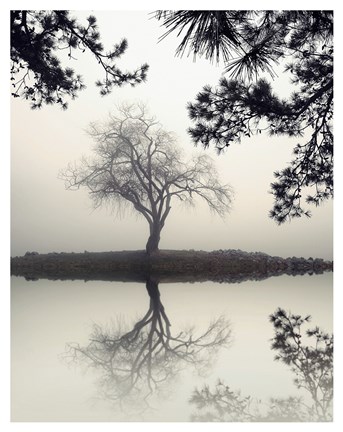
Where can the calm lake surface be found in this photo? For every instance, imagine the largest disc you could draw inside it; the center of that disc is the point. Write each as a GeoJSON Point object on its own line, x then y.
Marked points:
{"type": "Point", "coordinates": [51, 383]}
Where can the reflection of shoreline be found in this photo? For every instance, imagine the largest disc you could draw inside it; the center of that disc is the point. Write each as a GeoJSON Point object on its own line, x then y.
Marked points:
{"type": "Point", "coordinates": [166, 266]}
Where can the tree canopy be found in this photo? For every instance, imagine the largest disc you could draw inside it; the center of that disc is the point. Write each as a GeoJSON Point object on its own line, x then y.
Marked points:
{"type": "Point", "coordinates": [252, 44]}
{"type": "Point", "coordinates": [37, 73]}
{"type": "Point", "coordinates": [138, 165]}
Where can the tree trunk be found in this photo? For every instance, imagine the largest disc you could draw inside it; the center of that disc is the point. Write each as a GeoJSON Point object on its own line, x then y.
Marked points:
{"type": "Point", "coordinates": [154, 239]}
{"type": "Point", "coordinates": [153, 291]}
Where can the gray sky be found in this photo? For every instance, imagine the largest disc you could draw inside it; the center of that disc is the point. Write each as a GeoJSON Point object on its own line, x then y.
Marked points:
{"type": "Point", "coordinates": [45, 217]}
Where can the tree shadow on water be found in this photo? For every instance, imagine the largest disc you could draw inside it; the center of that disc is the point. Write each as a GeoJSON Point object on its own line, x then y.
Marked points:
{"type": "Point", "coordinates": [135, 364]}
{"type": "Point", "coordinates": [312, 366]}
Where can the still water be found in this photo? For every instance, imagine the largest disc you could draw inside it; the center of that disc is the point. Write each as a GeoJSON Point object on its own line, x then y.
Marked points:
{"type": "Point", "coordinates": [76, 345]}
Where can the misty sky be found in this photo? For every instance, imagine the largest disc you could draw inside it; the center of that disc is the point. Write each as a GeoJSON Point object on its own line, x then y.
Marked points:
{"type": "Point", "coordinates": [46, 218]}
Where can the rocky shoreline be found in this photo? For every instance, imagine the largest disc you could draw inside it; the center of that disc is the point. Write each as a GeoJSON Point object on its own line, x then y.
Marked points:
{"type": "Point", "coordinates": [167, 265]}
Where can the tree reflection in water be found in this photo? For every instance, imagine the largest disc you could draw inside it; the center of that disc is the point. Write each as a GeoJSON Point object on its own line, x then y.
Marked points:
{"type": "Point", "coordinates": [135, 364]}
{"type": "Point", "coordinates": [313, 369]}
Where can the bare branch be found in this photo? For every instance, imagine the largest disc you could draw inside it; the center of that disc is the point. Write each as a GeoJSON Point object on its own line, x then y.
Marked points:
{"type": "Point", "coordinates": [135, 363]}
{"type": "Point", "coordinates": [138, 163]}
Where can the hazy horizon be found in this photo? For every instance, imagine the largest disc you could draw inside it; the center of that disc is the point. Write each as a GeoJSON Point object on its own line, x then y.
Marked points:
{"type": "Point", "coordinates": [47, 218]}
{"type": "Point", "coordinates": [45, 317]}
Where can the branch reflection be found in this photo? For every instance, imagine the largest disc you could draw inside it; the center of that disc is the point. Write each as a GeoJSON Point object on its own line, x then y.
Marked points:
{"type": "Point", "coordinates": [312, 366]}
{"type": "Point", "coordinates": [134, 364]}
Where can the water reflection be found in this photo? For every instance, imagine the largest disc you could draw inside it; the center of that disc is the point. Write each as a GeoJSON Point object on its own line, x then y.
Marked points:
{"type": "Point", "coordinates": [136, 363]}
{"type": "Point", "coordinates": [312, 366]}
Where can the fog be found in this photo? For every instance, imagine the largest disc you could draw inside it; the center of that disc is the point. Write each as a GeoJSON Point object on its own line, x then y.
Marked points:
{"type": "Point", "coordinates": [45, 217]}
{"type": "Point", "coordinates": [46, 389]}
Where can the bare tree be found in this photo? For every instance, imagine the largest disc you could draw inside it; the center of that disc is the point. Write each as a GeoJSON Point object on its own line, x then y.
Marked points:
{"type": "Point", "coordinates": [139, 164]}
{"type": "Point", "coordinates": [134, 364]}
